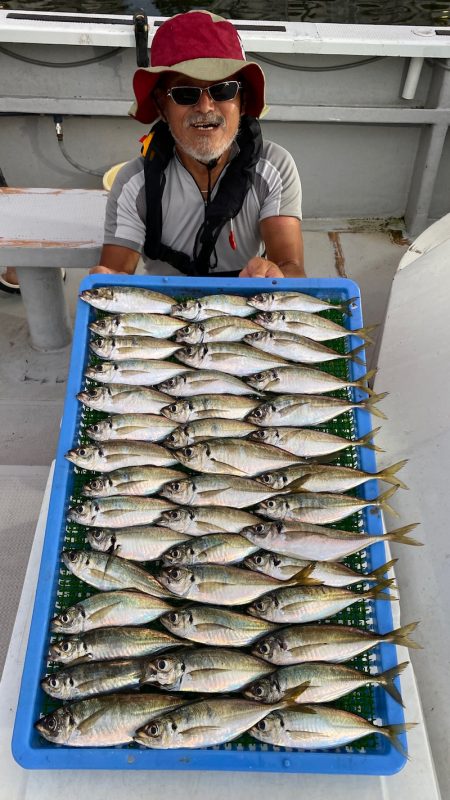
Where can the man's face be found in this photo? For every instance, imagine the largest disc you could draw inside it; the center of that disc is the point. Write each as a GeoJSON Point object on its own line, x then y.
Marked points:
{"type": "Point", "coordinates": [203, 131]}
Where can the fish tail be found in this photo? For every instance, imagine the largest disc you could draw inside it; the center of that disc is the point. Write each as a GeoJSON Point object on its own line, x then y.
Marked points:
{"type": "Point", "coordinates": [389, 474]}
{"type": "Point", "coordinates": [400, 535]}
{"type": "Point", "coordinates": [383, 498]}
{"type": "Point", "coordinates": [346, 305]}
{"type": "Point", "coordinates": [401, 636]}
{"type": "Point", "coordinates": [386, 680]}
{"type": "Point", "coordinates": [362, 382]}
{"type": "Point", "coordinates": [369, 404]}
{"type": "Point", "coordinates": [363, 333]}
{"type": "Point", "coordinates": [392, 731]}
{"type": "Point", "coordinates": [377, 574]}
{"type": "Point", "coordinates": [353, 355]}
{"type": "Point", "coordinates": [377, 592]}
{"type": "Point", "coordinates": [364, 441]}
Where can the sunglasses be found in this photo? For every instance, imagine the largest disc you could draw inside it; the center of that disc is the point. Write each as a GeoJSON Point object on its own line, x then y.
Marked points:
{"type": "Point", "coordinates": [190, 95]}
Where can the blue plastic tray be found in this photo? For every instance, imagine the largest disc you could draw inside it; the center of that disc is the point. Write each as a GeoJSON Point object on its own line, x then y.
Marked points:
{"type": "Point", "coordinates": [30, 750]}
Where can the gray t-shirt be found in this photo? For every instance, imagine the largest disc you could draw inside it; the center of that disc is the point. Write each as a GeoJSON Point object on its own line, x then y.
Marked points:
{"type": "Point", "coordinates": [276, 192]}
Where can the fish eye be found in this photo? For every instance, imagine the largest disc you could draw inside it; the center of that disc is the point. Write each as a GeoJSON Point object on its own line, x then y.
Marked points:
{"type": "Point", "coordinates": [65, 647]}
{"type": "Point", "coordinates": [271, 504]}
{"type": "Point", "coordinates": [171, 383]}
{"type": "Point", "coordinates": [174, 515]}
{"type": "Point", "coordinates": [95, 428]}
{"type": "Point", "coordinates": [153, 729]}
{"type": "Point", "coordinates": [173, 617]}
{"type": "Point", "coordinates": [266, 478]}
{"type": "Point", "coordinates": [175, 552]}
{"type": "Point", "coordinates": [259, 376]}
{"type": "Point", "coordinates": [190, 351]}
{"type": "Point", "coordinates": [173, 408]}
{"type": "Point", "coordinates": [79, 509]}
{"type": "Point", "coordinates": [259, 605]}
{"type": "Point", "coordinates": [258, 690]}
{"type": "Point", "coordinates": [91, 392]}
{"type": "Point", "coordinates": [53, 682]}
{"type": "Point", "coordinates": [258, 560]}
{"type": "Point", "coordinates": [65, 618]}
{"type": "Point", "coordinates": [82, 451]}
{"type": "Point", "coordinates": [259, 528]}
{"type": "Point", "coordinates": [174, 573]}
{"type": "Point", "coordinates": [97, 535]}
{"type": "Point", "coordinates": [257, 413]}
{"type": "Point", "coordinates": [51, 723]}
{"type": "Point", "coordinates": [161, 664]}
{"type": "Point", "coordinates": [175, 486]}
{"type": "Point", "coordinates": [261, 725]}
{"type": "Point", "coordinates": [188, 451]}
{"type": "Point", "coordinates": [264, 648]}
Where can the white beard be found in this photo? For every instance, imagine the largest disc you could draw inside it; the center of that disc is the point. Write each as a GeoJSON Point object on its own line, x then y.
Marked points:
{"type": "Point", "coordinates": [205, 151]}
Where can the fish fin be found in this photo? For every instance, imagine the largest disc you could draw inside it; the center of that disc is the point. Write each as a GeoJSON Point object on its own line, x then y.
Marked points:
{"type": "Point", "coordinates": [392, 731]}
{"type": "Point", "coordinates": [99, 615]}
{"type": "Point", "coordinates": [386, 680]}
{"type": "Point", "coordinates": [377, 592]}
{"type": "Point", "coordinates": [296, 485]}
{"type": "Point", "coordinates": [230, 470]}
{"type": "Point", "coordinates": [364, 441]}
{"type": "Point", "coordinates": [363, 333]}
{"type": "Point", "coordinates": [383, 498]}
{"type": "Point", "coordinates": [90, 722]}
{"type": "Point", "coordinates": [377, 574]}
{"type": "Point", "coordinates": [369, 404]}
{"type": "Point", "coordinates": [292, 697]}
{"type": "Point", "coordinates": [302, 578]}
{"type": "Point", "coordinates": [353, 355]}
{"type": "Point", "coordinates": [400, 535]}
{"type": "Point", "coordinates": [389, 474]}
{"type": "Point", "coordinates": [401, 636]}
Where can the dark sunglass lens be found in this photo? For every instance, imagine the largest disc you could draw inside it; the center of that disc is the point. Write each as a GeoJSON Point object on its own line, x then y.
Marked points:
{"type": "Point", "coordinates": [224, 91]}
{"type": "Point", "coordinates": [186, 95]}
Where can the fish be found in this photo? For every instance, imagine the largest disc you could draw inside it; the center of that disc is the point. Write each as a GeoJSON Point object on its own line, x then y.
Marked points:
{"type": "Point", "coordinates": [331, 573]}
{"type": "Point", "coordinates": [213, 548]}
{"type": "Point", "coordinates": [138, 543]}
{"type": "Point", "coordinates": [130, 481]}
{"type": "Point", "coordinates": [106, 572]}
{"type": "Point", "coordinates": [297, 644]}
{"type": "Point", "coordinates": [204, 723]}
{"type": "Point", "coordinates": [108, 609]}
{"type": "Point", "coordinates": [320, 508]}
{"type": "Point", "coordinates": [304, 380]}
{"type": "Point", "coordinates": [327, 682]}
{"type": "Point", "coordinates": [213, 305]}
{"type": "Point", "coordinates": [204, 669]}
{"type": "Point", "coordinates": [316, 726]}
{"type": "Point", "coordinates": [328, 478]}
{"type": "Point", "coordinates": [308, 409]}
{"type": "Point", "coordinates": [224, 585]}
{"type": "Point", "coordinates": [206, 381]}
{"type": "Point", "coordinates": [123, 348]}
{"type": "Point", "coordinates": [91, 678]}
{"type": "Point", "coordinates": [219, 490]}
{"type": "Point", "coordinates": [299, 604]}
{"type": "Point", "coordinates": [222, 406]}
{"type": "Point", "coordinates": [216, 626]}
{"type": "Point", "coordinates": [122, 399]}
{"type": "Point", "coordinates": [118, 455]}
{"type": "Point", "coordinates": [105, 720]}
{"type": "Point", "coordinates": [217, 329]}
{"type": "Point", "coordinates": [160, 326]}
{"type": "Point", "coordinates": [203, 429]}
{"type": "Point", "coordinates": [127, 300]}
{"type": "Point", "coordinates": [207, 519]}
{"type": "Point", "coordinates": [134, 372]}
{"type": "Point", "coordinates": [233, 457]}
{"type": "Point", "coordinates": [105, 644]}
{"type": "Point", "coordinates": [310, 325]}
{"type": "Point", "coordinates": [234, 358]}
{"type": "Point", "coordinates": [131, 427]}
{"type": "Point", "coordinates": [298, 348]}
{"type": "Point", "coordinates": [306, 443]}
{"type": "Point", "coordinates": [298, 301]}
{"type": "Point", "coordinates": [118, 512]}
{"type": "Point", "coordinates": [318, 543]}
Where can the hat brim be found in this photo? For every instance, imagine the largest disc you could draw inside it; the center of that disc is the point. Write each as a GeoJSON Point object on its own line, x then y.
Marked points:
{"type": "Point", "coordinates": [210, 69]}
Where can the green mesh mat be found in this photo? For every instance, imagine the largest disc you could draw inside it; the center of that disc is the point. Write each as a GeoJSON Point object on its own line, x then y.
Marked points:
{"type": "Point", "coordinates": [363, 701]}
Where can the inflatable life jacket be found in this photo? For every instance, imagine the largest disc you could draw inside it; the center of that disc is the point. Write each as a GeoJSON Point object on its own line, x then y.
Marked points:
{"type": "Point", "coordinates": [158, 149]}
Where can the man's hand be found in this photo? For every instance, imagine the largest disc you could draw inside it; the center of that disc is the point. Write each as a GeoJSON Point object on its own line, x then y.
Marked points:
{"type": "Point", "coordinates": [261, 268]}
{"type": "Point", "coordinates": [106, 270]}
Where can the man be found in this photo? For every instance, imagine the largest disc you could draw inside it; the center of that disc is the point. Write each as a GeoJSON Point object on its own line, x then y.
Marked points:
{"type": "Point", "coordinates": [207, 196]}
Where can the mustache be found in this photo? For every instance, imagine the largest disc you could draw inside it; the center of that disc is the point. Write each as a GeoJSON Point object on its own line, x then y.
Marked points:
{"type": "Point", "coordinates": [211, 118]}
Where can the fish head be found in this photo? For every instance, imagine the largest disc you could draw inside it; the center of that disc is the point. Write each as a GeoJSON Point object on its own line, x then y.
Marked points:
{"type": "Point", "coordinates": [178, 438]}
{"type": "Point", "coordinates": [269, 729]}
{"type": "Point", "coordinates": [261, 415]}
{"type": "Point", "coordinates": [258, 561]}
{"type": "Point", "coordinates": [265, 690]}
{"type": "Point", "coordinates": [188, 309]}
{"type": "Point", "coordinates": [98, 487]}
{"type": "Point", "coordinates": [83, 513]}
{"type": "Point", "coordinates": [270, 649]}
{"type": "Point", "coordinates": [75, 559]}
{"type": "Point", "coordinates": [159, 733]}
{"type": "Point", "coordinates": [178, 491]}
{"type": "Point", "coordinates": [195, 456]}
{"type": "Point", "coordinates": [69, 650]}
{"type": "Point", "coordinates": [191, 334]}
{"type": "Point", "coordinates": [84, 456]}
{"type": "Point", "coordinates": [181, 411]}
{"type": "Point", "coordinates": [102, 539]}
{"type": "Point", "coordinates": [263, 606]}
{"type": "Point", "coordinates": [177, 519]}
{"type": "Point", "coordinates": [102, 346]}
{"type": "Point", "coordinates": [101, 431]}
{"type": "Point", "coordinates": [93, 396]}
{"type": "Point", "coordinates": [178, 580]}
{"type": "Point", "coordinates": [172, 386]}
{"type": "Point", "coordinates": [106, 326]}
{"type": "Point", "coordinates": [265, 436]}
{"type": "Point", "coordinates": [179, 621]}
{"type": "Point", "coordinates": [179, 554]}
{"type": "Point", "coordinates": [260, 534]}
{"type": "Point", "coordinates": [60, 685]}
{"type": "Point", "coordinates": [57, 727]}
{"type": "Point", "coordinates": [98, 297]}
{"type": "Point", "coordinates": [193, 355]}
{"type": "Point", "coordinates": [276, 479]}
{"type": "Point", "coordinates": [69, 621]}
{"type": "Point", "coordinates": [273, 507]}
{"type": "Point", "coordinates": [165, 670]}
{"type": "Point", "coordinates": [102, 372]}
{"type": "Point", "coordinates": [264, 380]}
{"type": "Point", "coordinates": [270, 319]}
{"type": "Point", "coordinates": [263, 301]}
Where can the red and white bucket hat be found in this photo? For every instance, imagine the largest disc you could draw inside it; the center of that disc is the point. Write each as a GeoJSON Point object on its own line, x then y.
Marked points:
{"type": "Point", "coordinates": [200, 45]}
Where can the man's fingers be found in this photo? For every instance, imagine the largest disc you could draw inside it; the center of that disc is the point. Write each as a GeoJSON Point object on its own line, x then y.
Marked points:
{"type": "Point", "coordinates": [100, 269]}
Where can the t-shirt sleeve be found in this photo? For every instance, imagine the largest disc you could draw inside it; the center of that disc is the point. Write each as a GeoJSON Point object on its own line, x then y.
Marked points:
{"type": "Point", "coordinates": [125, 216]}
{"type": "Point", "coordinates": [277, 183]}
